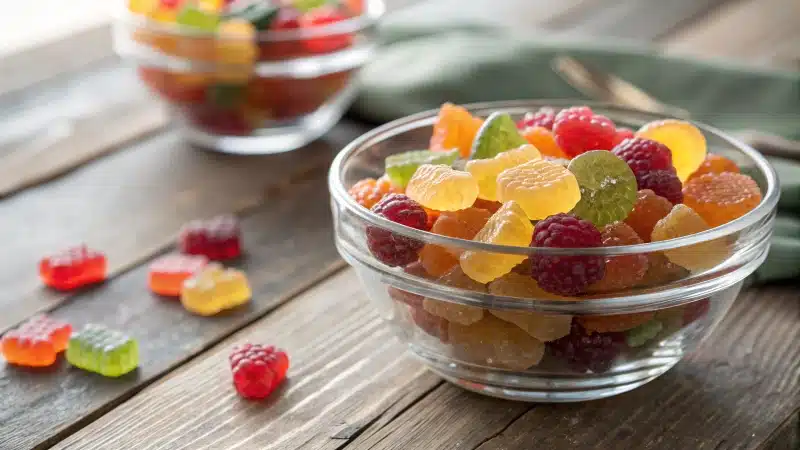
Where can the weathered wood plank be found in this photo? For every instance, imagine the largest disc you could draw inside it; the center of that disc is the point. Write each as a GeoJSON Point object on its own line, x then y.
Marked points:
{"type": "Point", "coordinates": [347, 372]}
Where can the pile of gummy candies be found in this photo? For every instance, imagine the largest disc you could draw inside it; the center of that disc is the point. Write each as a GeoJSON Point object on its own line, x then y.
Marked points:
{"type": "Point", "coordinates": [570, 179]}
{"type": "Point", "coordinates": [204, 287]}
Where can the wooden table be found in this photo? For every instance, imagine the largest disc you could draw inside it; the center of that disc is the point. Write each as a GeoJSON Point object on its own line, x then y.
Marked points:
{"type": "Point", "coordinates": [351, 384]}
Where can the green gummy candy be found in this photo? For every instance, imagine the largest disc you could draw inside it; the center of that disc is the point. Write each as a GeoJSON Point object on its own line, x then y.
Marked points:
{"type": "Point", "coordinates": [308, 5]}
{"type": "Point", "coordinates": [636, 337]}
{"type": "Point", "coordinates": [497, 134]}
{"type": "Point", "coordinates": [401, 167]}
{"type": "Point", "coordinates": [103, 351]}
{"type": "Point", "coordinates": [226, 95]}
{"type": "Point", "coordinates": [193, 17]}
{"type": "Point", "coordinates": [608, 187]}
{"type": "Point", "coordinates": [260, 14]}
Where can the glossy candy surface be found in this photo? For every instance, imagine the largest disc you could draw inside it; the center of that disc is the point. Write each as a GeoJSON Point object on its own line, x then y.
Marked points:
{"type": "Point", "coordinates": [73, 268]}
{"type": "Point", "coordinates": [684, 221]}
{"type": "Point", "coordinates": [167, 274]}
{"type": "Point", "coordinates": [684, 140]}
{"type": "Point", "coordinates": [498, 134]}
{"type": "Point", "coordinates": [104, 351]}
{"type": "Point", "coordinates": [486, 170]}
{"type": "Point", "coordinates": [442, 188]}
{"type": "Point", "coordinates": [540, 187]}
{"type": "Point", "coordinates": [218, 238]}
{"type": "Point", "coordinates": [607, 185]}
{"type": "Point", "coordinates": [257, 370]}
{"type": "Point", "coordinates": [721, 197]}
{"type": "Point", "coordinates": [215, 289]}
{"type": "Point", "coordinates": [36, 343]}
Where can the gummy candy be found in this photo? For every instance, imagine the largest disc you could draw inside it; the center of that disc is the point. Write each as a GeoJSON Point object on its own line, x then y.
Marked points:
{"type": "Point", "coordinates": [217, 238]}
{"type": "Point", "coordinates": [664, 183]}
{"type": "Point", "coordinates": [181, 88]}
{"type": "Point", "coordinates": [429, 323]}
{"type": "Point", "coordinates": [495, 343]}
{"type": "Point", "coordinates": [198, 19]}
{"type": "Point", "coordinates": [486, 170]}
{"type": "Point", "coordinates": [542, 118]}
{"type": "Point", "coordinates": [540, 187]}
{"type": "Point", "coordinates": [235, 51]}
{"type": "Point", "coordinates": [400, 167]}
{"type": "Point", "coordinates": [260, 14]}
{"type": "Point", "coordinates": [454, 312]}
{"type": "Point", "coordinates": [579, 130]}
{"type": "Point", "coordinates": [455, 127]}
{"type": "Point", "coordinates": [104, 351]}
{"type": "Point", "coordinates": [683, 221]}
{"type": "Point", "coordinates": [685, 141]}
{"type": "Point", "coordinates": [607, 186]}
{"type": "Point", "coordinates": [614, 323]}
{"type": "Point", "coordinates": [488, 205]}
{"type": "Point", "coordinates": [622, 134]}
{"type": "Point", "coordinates": [520, 284]}
{"type": "Point", "coordinates": [436, 259]}
{"type": "Point", "coordinates": [715, 164]}
{"type": "Point", "coordinates": [257, 370]}
{"type": "Point", "coordinates": [36, 343]}
{"type": "Point", "coordinates": [390, 248]}
{"type": "Point", "coordinates": [721, 198]}
{"type": "Point", "coordinates": [636, 337]}
{"type": "Point", "coordinates": [622, 271]}
{"type": "Point", "coordinates": [215, 289]}
{"type": "Point", "coordinates": [143, 6]}
{"type": "Point", "coordinates": [584, 350]}
{"type": "Point", "coordinates": [409, 298]}
{"type": "Point", "coordinates": [544, 327]}
{"type": "Point", "coordinates": [463, 224]}
{"type": "Point", "coordinates": [442, 188]}
{"type": "Point", "coordinates": [308, 5]}
{"type": "Point", "coordinates": [508, 226]}
{"type": "Point", "coordinates": [695, 310]}
{"type": "Point", "coordinates": [644, 155]}
{"type": "Point", "coordinates": [661, 271]}
{"type": "Point", "coordinates": [212, 6]}
{"type": "Point", "coordinates": [369, 191]}
{"type": "Point", "coordinates": [648, 209]}
{"type": "Point", "coordinates": [497, 134]}
{"type": "Point", "coordinates": [319, 17]}
{"type": "Point", "coordinates": [167, 274]}
{"type": "Point", "coordinates": [543, 140]}
{"type": "Point", "coordinates": [73, 268]}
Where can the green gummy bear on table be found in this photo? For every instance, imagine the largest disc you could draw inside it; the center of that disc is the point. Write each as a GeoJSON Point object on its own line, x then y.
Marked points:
{"type": "Point", "coordinates": [193, 17]}
{"type": "Point", "coordinates": [401, 167]}
{"type": "Point", "coordinates": [102, 350]}
{"type": "Point", "coordinates": [498, 134]}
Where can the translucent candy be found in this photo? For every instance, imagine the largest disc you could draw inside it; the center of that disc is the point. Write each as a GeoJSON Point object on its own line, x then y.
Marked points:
{"type": "Point", "coordinates": [607, 185]}
{"type": "Point", "coordinates": [498, 134]}
{"type": "Point", "coordinates": [103, 351]}
{"type": "Point", "coordinates": [541, 188]}
{"type": "Point", "coordinates": [622, 271]}
{"type": "Point", "coordinates": [215, 289]}
{"type": "Point", "coordinates": [615, 322]}
{"type": "Point", "coordinates": [508, 226]}
{"type": "Point", "coordinates": [684, 221]}
{"type": "Point", "coordinates": [142, 6]}
{"type": "Point", "coordinates": [544, 327]}
{"type": "Point", "coordinates": [485, 171]}
{"type": "Point", "coordinates": [463, 224]}
{"type": "Point", "coordinates": [495, 343]}
{"type": "Point", "coordinates": [685, 141]}
{"type": "Point", "coordinates": [647, 211]}
{"type": "Point", "coordinates": [636, 337]}
{"type": "Point", "coordinates": [442, 188]}
{"type": "Point", "coordinates": [715, 164]}
{"type": "Point", "coordinates": [521, 285]}
{"type": "Point", "coordinates": [454, 312]}
{"type": "Point", "coordinates": [197, 19]}
{"type": "Point", "coordinates": [35, 343]}
{"type": "Point", "coordinates": [661, 271]}
{"type": "Point", "coordinates": [436, 260]}
{"type": "Point", "coordinates": [721, 198]}
{"type": "Point", "coordinates": [455, 127]}
{"type": "Point", "coordinates": [401, 166]}
{"type": "Point", "coordinates": [543, 140]}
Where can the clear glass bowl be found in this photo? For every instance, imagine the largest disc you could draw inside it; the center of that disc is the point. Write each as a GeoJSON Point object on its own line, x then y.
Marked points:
{"type": "Point", "coordinates": [238, 96]}
{"type": "Point", "coordinates": [507, 340]}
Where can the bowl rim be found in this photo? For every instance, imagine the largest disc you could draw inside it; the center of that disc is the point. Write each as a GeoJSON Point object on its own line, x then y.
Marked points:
{"type": "Point", "coordinates": [373, 11]}
{"type": "Point", "coordinates": [426, 118]}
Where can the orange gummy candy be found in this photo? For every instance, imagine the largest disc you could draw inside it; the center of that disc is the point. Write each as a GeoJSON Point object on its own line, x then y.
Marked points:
{"type": "Point", "coordinates": [454, 128]}
{"type": "Point", "coordinates": [463, 224]}
{"type": "Point", "coordinates": [614, 323]}
{"type": "Point", "coordinates": [648, 209]}
{"type": "Point", "coordinates": [622, 271]}
{"type": "Point", "coordinates": [715, 164]}
{"type": "Point", "coordinates": [36, 342]}
{"type": "Point", "coordinates": [543, 140]}
{"type": "Point", "coordinates": [369, 191]}
{"type": "Point", "coordinates": [721, 197]}
{"type": "Point", "coordinates": [168, 273]}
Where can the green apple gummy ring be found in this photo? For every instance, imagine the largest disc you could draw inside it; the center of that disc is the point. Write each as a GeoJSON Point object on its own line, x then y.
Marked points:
{"type": "Point", "coordinates": [608, 187]}
{"type": "Point", "coordinates": [497, 134]}
{"type": "Point", "coordinates": [401, 167]}
{"type": "Point", "coordinates": [636, 337]}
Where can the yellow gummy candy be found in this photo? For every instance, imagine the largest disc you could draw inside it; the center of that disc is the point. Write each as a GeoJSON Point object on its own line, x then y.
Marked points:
{"type": "Point", "coordinates": [454, 312]}
{"type": "Point", "coordinates": [442, 188]}
{"type": "Point", "coordinates": [236, 50]}
{"type": "Point", "coordinates": [495, 343]}
{"type": "Point", "coordinates": [486, 170]}
{"type": "Point", "coordinates": [684, 221]}
{"type": "Point", "coordinates": [508, 226]}
{"type": "Point", "coordinates": [213, 6]}
{"type": "Point", "coordinates": [541, 188]}
{"type": "Point", "coordinates": [684, 140]}
{"type": "Point", "coordinates": [215, 289]}
{"type": "Point", "coordinates": [143, 6]}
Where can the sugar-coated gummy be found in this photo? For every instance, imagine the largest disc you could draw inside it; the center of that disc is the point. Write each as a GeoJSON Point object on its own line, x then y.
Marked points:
{"type": "Point", "coordinates": [607, 185]}
{"type": "Point", "coordinates": [486, 170]}
{"type": "Point", "coordinates": [498, 134]}
{"type": "Point", "coordinates": [684, 221]}
{"type": "Point", "coordinates": [451, 311]}
{"type": "Point", "coordinates": [544, 327]}
{"type": "Point", "coordinates": [721, 197]}
{"type": "Point", "coordinates": [99, 349]}
{"type": "Point", "coordinates": [167, 273]}
{"type": "Point", "coordinates": [455, 127]}
{"type": "Point", "coordinates": [218, 238]}
{"type": "Point", "coordinates": [215, 289]}
{"type": "Point", "coordinates": [72, 268]}
{"type": "Point", "coordinates": [36, 342]}
{"type": "Point", "coordinates": [495, 343]}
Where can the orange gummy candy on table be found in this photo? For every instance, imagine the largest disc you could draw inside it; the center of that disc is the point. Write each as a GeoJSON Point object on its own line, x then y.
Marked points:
{"type": "Point", "coordinates": [715, 164]}
{"type": "Point", "coordinates": [721, 197]}
{"type": "Point", "coordinates": [647, 211]}
{"type": "Point", "coordinates": [168, 273]}
{"type": "Point", "coordinates": [73, 268]}
{"type": "Point", "coordinates": [37, 342]}
{"type": "Point", "coordinates": [455, 127]}
{"type": "Point", "coordinates": [369, 191]}
{"type": "Point", "coordinates": [543, 140]}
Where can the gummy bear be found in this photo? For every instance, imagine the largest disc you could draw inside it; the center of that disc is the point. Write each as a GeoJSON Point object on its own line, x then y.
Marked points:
{"type": "Point", "coordinates": [73, 268]}
{"type": "Point", "coordinates": [498, 134]}
{"type": "Point", "coordinates": [486, 170]}
{"type": "Point", "coordinates": [36, 343]}
{"type": "Point", "coordinates": [104, 351]}
{"type": "Point", "coordinates": [721, 198]}
{"type": "Point", "coordinates": [455, 127]}
{"type": "Point", "coordinates": [543, 140]}
{"type": "Point", "coordinates": [215, 289]}
{"type": "Point", "coordinates": [257, 370]}
{"type": "Point", "coordinates": [684, 221]}
{"type": "Point", "coordinates": [495, 343]}
{"type": "Point", "coordinates": [167, 274]}
{"type": "Point", "coordinates": [400, 167]}
{"type": "Point", "coordinates": [217, 238]}
{"type": "Point", "coordinates": [715, 164]}
{"type": "Point", "coordinates": [369, 191]}
{"type": "Point", "coordinates": [647, 211]}
{"type": "Point", "coordinates": [607, 187]}
{"type": "Point", "coordinates": [684, 140]}
{"type": "Point", "coordinates": [540, 187]}
{"type": "Point", "coordinates": [442, 188]}
{"type": "Point", "coordinates": [614, 323]}
{"type": "Point", "coordinates": [455, 312]}
{"type": "Point", "coordinates": [622, 271]}
{"type": "Point", "coordinates": [236, 51]}
{"type": "Point", "coordinates": [508, 226]}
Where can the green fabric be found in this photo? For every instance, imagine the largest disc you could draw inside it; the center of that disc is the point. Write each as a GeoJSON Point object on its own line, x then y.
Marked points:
{"type": "Point", "coordinates": [423, 64]}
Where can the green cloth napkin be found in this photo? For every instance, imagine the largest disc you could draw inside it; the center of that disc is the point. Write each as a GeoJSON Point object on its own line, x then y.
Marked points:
{"type": "Point", "coordinates": [422, 65]}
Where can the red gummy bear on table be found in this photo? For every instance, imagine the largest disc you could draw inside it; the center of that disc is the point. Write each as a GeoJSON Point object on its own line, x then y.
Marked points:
{"type": "Point", "coordinates": [258, 370]}
{"type": "Point", "coordinates": [73, 268]}
{"type": "Point", "coordinates": [217, 239]}
{"type": "Point", "coordinates": [36, 343]}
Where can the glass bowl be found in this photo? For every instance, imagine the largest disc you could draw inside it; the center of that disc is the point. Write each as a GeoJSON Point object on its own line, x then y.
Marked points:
{"type": "Point", "coordinates": [510, 339]}
{"type": "Point", "coordinates": [270, 93]}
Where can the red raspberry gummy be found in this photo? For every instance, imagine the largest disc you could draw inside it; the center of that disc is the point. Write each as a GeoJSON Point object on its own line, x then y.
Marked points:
{"type": "Point", "coordinates": [73, 268]}
{"type": "Point", "coordinates": [578, 130]}
{"type": "Point", "coordinates": [566, 275]}
{"type": "Point", "coordinates": [390, 248]}
{"type": "Point", "coordinates": [318, 17]}
{"type": "Point", "coordinates": [644, 155]}
{"type": "Point", "coordinates": [664, 183]}
{"type": "Point", "coordinates": [588, 351]}
{"type": "Point", "coordinates": [217, 239]}
{"type": "Point", "coordinates": [622, 134]}
{"type": "Point", "coordinates": [257, 370]}
{"type": "Point", "coordinates": [544, 118]}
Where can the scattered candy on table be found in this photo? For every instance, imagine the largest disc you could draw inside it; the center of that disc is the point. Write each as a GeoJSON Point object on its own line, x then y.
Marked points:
{"type": "Point", "coordinates": [257, 370]}
{"type": "Point", "coordinates": [214, 289]}
{"type": "Point", "coordinates": [104, 351]}
{"type": "Point", "coordinates": [167, 273]}
{"type": "Point", "coordinates": [36, 343]}
{"type": "Point", "coordinates": [73, 268]}
{"type": "Point", "coordinates": [218, 238]}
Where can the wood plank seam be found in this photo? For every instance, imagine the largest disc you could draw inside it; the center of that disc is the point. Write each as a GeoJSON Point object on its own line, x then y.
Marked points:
{"type": "Point", "coordinates": [792, 421]}
{"type": "Point", "coordinates": [502, 430]}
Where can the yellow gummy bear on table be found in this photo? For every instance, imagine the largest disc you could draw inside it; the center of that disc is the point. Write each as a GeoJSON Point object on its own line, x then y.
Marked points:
{"type": "Point", "coordinates": [508, 226]}
{"type": "Point", "coordinates": [684, 221]}
{"type": "Point", "coordinates": [684, 140]}
{"type": "Point", "coordinates": [485, 171]}
{"type": "Point", "coordinates": [215, 289]}
{"type": "Point", "coordinates": [440, 187]}
{"type": "Point", "coordinates": [542, 188]}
